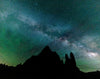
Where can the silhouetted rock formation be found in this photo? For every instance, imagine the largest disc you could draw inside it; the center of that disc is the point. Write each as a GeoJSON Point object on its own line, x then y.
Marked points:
{"type": "Point", "coordinates": [72, 58]}
{"type": "Point", "coordinates": [47, 63]}
{"type": "Point", "coordinates": [49, 57]}
{"type": "Point", "coordinates": [67, 61]}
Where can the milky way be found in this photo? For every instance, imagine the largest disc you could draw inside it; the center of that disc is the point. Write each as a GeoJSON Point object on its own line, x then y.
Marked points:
{"type": "Point", "coordinates": [27, 26]}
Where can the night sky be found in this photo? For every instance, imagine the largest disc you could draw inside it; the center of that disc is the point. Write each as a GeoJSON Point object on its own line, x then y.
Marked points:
{"type": "Point", "coordinates": [27, 26]}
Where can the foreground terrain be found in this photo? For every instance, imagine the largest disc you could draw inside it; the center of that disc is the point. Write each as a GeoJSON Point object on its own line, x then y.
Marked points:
{"type": "Point", "coordinates": [46, 65]}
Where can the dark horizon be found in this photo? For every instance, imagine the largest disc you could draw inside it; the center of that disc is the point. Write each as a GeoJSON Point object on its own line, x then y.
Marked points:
{"type": "Point", "coordinates": [47, 64]}
{"type": "Point", "coordinates": [47, 52]}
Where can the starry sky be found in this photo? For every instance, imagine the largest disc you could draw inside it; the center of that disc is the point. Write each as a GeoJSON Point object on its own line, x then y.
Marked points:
{"type": "Point", "coordinates": [27, 26]}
